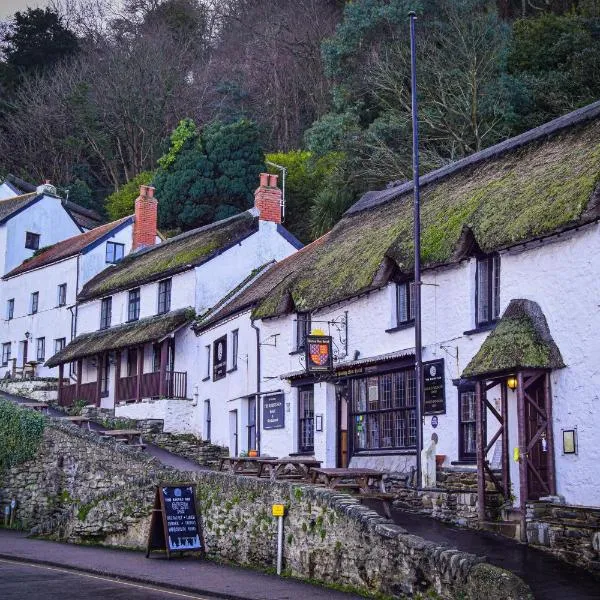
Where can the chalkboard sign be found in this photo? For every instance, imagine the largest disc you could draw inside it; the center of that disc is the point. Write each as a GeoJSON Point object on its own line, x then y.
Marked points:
{"type": "Point", "coordinates": [273, 412]}
{"type": "Point", "coordinates": [433, 388]}
{"type": "Point", "coordinates": [174, 525]}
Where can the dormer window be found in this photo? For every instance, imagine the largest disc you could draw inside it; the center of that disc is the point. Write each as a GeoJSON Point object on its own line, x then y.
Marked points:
{"type": "Point", "coordinates": [32, 240]}
{"type": "Point", "coordinates": [405, 302]}
{"type": "Point", "coordinates": [487, 290]}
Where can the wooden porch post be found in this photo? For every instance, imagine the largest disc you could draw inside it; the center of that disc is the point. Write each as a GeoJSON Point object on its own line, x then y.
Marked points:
{"type": "Point", "coordinates": [99, 361]}
{"type": "Point", "coordinates": [61, 372]}
{"type": "Point", "coordinates": [549, 435]}
{"type": "Point", "coordinates": [117, 375]}
{"type": "Point", "coordinates": [523, 483]}
{"type": "Point", "coordinates": [78, 383]}
{"type": "Point", "coordinates": [505, 456]}
{"type": "Point", "coordinates": [480, 438]}
{"type": "Point", "coordinates": [140, 372]}
{"type": "Point", "coordinates": [164, 356]}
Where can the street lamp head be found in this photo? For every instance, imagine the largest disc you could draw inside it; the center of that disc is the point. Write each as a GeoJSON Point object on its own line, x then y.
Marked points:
{"type": "Point", "coordinates": [512, 382]}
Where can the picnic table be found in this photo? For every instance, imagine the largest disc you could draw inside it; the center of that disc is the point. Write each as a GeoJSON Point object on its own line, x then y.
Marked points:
{"type": "Point", "coordinates": [39, 406]}
{"type": "Point", "coordinates": [133, 437]}
{"type": "Point", "coordinates": [368, 483]}
{"type": "Point", "coordinates": [76, 420]}
{"type": "Point", "coordinates": [243, 465]}
{"type": "Point", "coordinates": [290, 467]}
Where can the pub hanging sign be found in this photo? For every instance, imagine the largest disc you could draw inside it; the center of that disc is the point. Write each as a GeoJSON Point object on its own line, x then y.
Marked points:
{"type": "Point", "coordinates": [319, 357]}
{"type": "Point", "coordinates": [433, 388]}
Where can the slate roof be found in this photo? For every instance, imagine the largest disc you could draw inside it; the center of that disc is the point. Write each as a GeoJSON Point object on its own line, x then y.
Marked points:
{"type": "Point", "coordinates": [84, 217]}
{"type": "Point", "coordinates": [521, 340]}
{"type": "Point", "coordinates": [531, 186]}
{"type": "Point", "coordinates": [173, 256]}
{"type": "Point", "coordinates": [150, 329]}
{"type": "Point", "coordinates": [69, 247]}
{"type": "Point", "coordinates": [11, 206]}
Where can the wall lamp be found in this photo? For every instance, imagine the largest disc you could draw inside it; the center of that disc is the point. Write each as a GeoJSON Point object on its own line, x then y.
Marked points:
{"type": "Point", "coordinates": [512, 383]}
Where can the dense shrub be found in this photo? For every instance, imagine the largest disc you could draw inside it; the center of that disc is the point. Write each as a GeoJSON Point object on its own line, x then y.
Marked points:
{"type": "Point", "coordinates": [21, 432]}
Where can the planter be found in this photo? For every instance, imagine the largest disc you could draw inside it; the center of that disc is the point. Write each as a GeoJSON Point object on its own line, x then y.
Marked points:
{"type": "Point", "coordinates": [439, 460]}
{"type": "Point", "coordinates": [252, 453]}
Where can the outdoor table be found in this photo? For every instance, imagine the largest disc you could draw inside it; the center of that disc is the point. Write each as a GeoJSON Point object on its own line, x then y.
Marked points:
{"type": "Point", "coordinates": [39, 406]}
{"type": "Point", "coordinates": [133, 437]}
{"type": "Point", "coordinates": [81, 421]}
{"type": "Point", "coordinates": [279, 468]}
{"type": "Point", "coordinates": [359, 478]}
{"type": "Point", "coordinates": [243, 465]}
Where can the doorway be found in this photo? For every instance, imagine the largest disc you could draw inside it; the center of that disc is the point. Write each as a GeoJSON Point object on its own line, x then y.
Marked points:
{"type": "Point", "coordinates": [342, 454]}
{"type": "Point", "coordinates": [24, 349]}
{"type": "Point", "coordinates": [233, 433]}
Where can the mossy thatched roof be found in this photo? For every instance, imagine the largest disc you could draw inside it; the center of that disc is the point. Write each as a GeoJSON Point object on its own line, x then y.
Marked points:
{"type": "Point", "coordinates": [177, 254]}
{"type": "Point", "coordinates": [520, 341]}
{"type": "Point", "coordinates": [143, 331]}
{"type": "Point", "coordinates": [532, 186]}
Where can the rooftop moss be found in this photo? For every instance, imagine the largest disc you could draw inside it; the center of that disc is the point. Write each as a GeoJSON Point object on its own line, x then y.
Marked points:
{"type": "Point", "coordinates": [175, 255]}
{"type": "Point", "coordinates": [143, 331]}
{"type": "Point", "coordinates": [521, 340]}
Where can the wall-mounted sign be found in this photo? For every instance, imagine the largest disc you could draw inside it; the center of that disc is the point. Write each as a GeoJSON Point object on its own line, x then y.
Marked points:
{"type": "Point", "coordinates": [273, 412]}
{"type": "Point", "coordinates": [433, 388]}
{"type": "Point", "coordinates": [174, 525]}
{"type": "Point", "coordinates": [220, 358]}
{"type": "Point", "coordinates": [319, 358]}
{"type": "Point", "coordinates": [569, 441]}
{"type": "Point", "coordinates": [434, 421]}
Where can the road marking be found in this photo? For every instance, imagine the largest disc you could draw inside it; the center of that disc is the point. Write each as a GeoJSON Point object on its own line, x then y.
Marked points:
{"type": "Point", "coordinates": [108, 579]}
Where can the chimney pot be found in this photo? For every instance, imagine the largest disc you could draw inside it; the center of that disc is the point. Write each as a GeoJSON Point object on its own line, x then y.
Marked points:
{"type": "Point", "coordinates": [273, 180]}
{"type": "Point", "coordinates": [264, 180]}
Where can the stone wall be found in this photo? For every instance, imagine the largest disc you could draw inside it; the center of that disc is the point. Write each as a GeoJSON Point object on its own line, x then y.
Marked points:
{"type": "Point", "coordinates": [42, 389]}
{"type": "Point", "coordinates": [571, 533]}
{"type": "Point", "coordinates": [82, 488]}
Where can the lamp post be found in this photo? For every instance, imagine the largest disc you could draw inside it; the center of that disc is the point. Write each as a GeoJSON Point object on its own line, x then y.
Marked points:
{"type": "Point", "coordinates": [417, 245]}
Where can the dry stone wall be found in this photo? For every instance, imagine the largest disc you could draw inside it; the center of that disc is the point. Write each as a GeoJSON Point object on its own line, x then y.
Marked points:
{"type": "Point", "coordinates": [81, 488]}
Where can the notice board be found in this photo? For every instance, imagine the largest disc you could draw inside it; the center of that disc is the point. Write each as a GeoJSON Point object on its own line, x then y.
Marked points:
{"type": "Point", "coordinates": [273, 411]}
{"type": "Point", "coordinates": [434, 388]}
{"type": "Point", "coordinates": [174, 526]}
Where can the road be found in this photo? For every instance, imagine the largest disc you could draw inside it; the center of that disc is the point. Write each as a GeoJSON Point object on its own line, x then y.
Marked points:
{"type": "Point", "coordinates": [24, 580]}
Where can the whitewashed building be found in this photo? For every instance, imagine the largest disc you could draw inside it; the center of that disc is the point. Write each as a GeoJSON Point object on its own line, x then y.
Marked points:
{"type": "Point", "coordinates": [510, 290]}
{"type": "Point", "coordinates": [134, 342]}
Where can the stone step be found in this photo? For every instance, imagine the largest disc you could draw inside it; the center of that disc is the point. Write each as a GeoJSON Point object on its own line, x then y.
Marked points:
{"type": "Point", "coordinates": [509, 529]}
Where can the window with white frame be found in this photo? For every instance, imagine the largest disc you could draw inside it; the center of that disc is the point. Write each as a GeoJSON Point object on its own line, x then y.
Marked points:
{"type": "Point", "coordinates": [34, 303]}
{"type": "Point", "coordinates": [105, 312]}
{"type": "Point", "coordinates": [164, 296]}
{"type": "Point", "coordinates": [114, 252]}
{"type": "Point", "coordinates": [10, 309]}
{"type": "Point", "coordinates": [234, 349]}
{"type": "Point", "coordinates": [487, 290]}
{"type": "Point", "coordinates": [59, 344]}
{"type": "Point", "coordinates": [207, 361]}
{"type": "Point", "coordinates": [41, 349]}
{"type": "Point", "coordinates": [6, 350]}
{"type": "Point", "coordinates": [62, 294]}
{"type": "Point", "coordinates": [133, 310]}
{"type": "Point", "coordinates": [405, 302]}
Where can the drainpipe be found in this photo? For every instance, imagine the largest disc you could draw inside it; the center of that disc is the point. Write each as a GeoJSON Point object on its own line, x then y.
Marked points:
{"type": "Point", "coordinates": [257, 385]}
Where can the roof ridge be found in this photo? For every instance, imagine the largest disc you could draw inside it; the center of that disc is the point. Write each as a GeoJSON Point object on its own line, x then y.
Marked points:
{"type": "Point", "coordinates": [374, 198]}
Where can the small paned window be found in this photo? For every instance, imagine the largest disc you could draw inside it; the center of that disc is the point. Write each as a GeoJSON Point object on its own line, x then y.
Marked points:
{"type": "Point", "coordinates": [467, 428]}
{"type": "Point", "coordinates": [207, 361]}
{"type": "Point", "coordinates": [33, 306]}
{"type": "Point", "coordinates": [105, 312]}
{"type": "Point", "coordinates": [487, 290]}
{"type": "Point", "coordinates": [41, 349]}
{"type": "Point", "coordinates": [306, 418]}
{"type": "Point", "coordinates": [234, 348]}
{"type": "Point", "coordinates": [59, 344]}
{"type": "Point", "coordinates": [114, 252]}
{"type": "Point", "coordinates": [207, 420]}
{"type": "Point", "coordinates": [302, 329]}
{"type": "Point", "coordinates": [164, 296]}
{"type": "Point", "coordinates": [405, 302]}
{"type": "Point", "coordinates": [104, 375]}
{"type": "Point", "coordinates": [10, 309]}
{"type": "Point", "coordinates": [62, 294]}
{"type": "Point", "coordinates": [6, 350]}
{"type": "Point", "coordinates": [32, 240]}
{"type": "Point", "coordinates": [133, 312]}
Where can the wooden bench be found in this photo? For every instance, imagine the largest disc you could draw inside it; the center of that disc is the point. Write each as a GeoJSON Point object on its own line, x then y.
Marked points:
{"type": "Point", "coordinates": [385, 499]}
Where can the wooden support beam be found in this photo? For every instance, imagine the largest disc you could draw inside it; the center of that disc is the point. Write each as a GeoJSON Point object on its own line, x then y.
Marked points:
{"type": "Point", "coordinates": [61, 373]}
{"type": "Point", "coordinates": [480, 437]}
{"type": "Point", "coordinates": [550, 435]}
{"type": "Point", "coordinates": [505, 446]}
{"type": "Point", "coordinates": [117, 375]}
{"type": "Point", "coordinates": [140, 372]}
{"type": "Point", "coordinates": [99, 364]}
{"type": "Point", "coordinates": [164, 357]}
{"type": "Point", "coordinates": [522, 427]}
{"type": "Point", "coordinates": [78, 380]}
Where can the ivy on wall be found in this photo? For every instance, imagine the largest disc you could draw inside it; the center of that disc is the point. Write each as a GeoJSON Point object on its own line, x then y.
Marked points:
{"type": "Point", "coordinates": [21, 431]}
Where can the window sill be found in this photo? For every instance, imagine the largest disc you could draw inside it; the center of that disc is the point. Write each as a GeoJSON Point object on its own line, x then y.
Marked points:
{"type": "Point", "coordinates": [132, 320]}
{"type": "Point", "coordinates": [206, 378]}
{"type": "Point", "coordinates": [401, 326]}
{"type": "Point", "coordinates": [464, 463]}
{"type": "Point", "coordinates": [298, 351]}
{"type": "Point", "coordinates": [303, 453]}
{"type": "Point", "coordinates": [481, 328]}
{"type": "Point", "coordinates": [385, 452]}
{"type": "Point", "coordinates": [232, 370]}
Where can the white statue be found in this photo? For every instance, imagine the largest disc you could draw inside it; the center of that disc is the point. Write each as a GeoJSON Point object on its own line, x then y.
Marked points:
{"type": "Point", "coordinates": [428, 467]}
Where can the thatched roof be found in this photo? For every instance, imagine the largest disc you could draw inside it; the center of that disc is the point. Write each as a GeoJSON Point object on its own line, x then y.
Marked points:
{"type": "Point", "coordinates": [177, 254]}
{"type": "Point", "coordinates": [534, 185]}
{"type": "Point", "coordinates": [151, 329]}
{"type": "Point", "coordinates": [521, 340]}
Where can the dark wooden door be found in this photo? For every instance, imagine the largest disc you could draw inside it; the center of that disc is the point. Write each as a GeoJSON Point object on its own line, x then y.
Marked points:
{"type": "Point", "coordinates": [25, 346]}
{"type": "Point", "coordinates": [537, 441]}
{"type": "Point", "coordinates": [342, 428]}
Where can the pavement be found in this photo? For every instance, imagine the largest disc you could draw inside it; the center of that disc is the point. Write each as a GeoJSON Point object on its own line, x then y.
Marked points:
{"type": "Point", "coordinates": [186, 574]}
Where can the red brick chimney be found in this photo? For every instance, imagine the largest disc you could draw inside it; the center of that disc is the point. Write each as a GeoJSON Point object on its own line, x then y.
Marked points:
{"type": "Point", "coordinates": [267, 198]}
{"type": "Point", "coordinates": [146, 211]}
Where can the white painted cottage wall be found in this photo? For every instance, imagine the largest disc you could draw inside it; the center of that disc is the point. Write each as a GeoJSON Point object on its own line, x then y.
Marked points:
{"type": "Point", "coordinates": [6, 191]}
